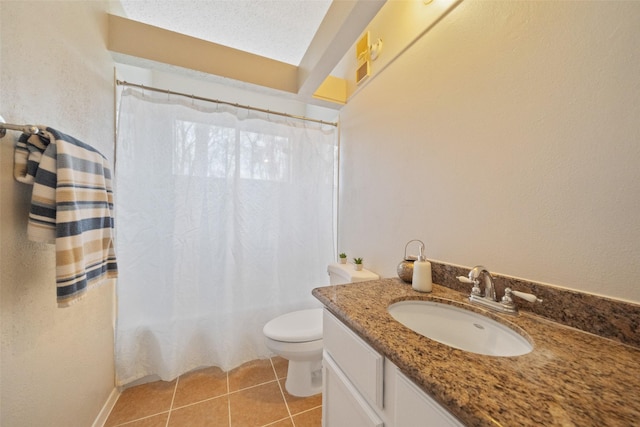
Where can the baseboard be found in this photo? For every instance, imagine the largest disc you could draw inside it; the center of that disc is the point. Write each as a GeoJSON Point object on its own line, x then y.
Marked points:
{"type": "Point", "coordinates": [101, 419]}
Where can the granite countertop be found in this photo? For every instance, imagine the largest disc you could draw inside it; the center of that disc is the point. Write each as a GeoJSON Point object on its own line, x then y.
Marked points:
{"type": "Point", "coordinates": [571, 378]}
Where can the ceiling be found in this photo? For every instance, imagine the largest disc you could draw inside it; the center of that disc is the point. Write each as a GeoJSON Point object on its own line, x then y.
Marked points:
{"type": "Point", "coordinates": [276, 29]}
{"type": "Point", "coordinates": [291, 46]}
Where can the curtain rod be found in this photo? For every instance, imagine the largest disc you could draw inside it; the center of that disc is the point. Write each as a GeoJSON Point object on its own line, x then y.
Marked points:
{"type": "Point", "coordinates": [217, 101]}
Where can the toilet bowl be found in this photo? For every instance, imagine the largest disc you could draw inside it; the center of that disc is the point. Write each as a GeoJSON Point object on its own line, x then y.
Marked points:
{"type": "Point", "coordinates": [297, 337]}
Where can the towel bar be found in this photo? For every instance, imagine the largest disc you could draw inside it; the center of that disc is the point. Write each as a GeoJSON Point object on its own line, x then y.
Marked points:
{"type": "Point", "coordinates": [32, 129]}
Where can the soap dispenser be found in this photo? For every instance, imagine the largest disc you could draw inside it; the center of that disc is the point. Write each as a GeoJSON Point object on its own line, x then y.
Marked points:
{"type": "Point", "coordinates": [422, 281]}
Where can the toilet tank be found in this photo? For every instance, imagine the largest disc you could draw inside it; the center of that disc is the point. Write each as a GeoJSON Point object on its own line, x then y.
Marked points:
{"type": "Point", "coordinates": [345, 273]}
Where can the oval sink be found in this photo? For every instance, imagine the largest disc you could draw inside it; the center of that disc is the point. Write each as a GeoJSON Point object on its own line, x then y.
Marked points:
{"type": "Point", "coordinates": [459, 328]}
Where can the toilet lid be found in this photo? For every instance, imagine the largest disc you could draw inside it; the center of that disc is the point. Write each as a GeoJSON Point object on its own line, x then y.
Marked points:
{"type": "Point", "coordinates": [297, 326]}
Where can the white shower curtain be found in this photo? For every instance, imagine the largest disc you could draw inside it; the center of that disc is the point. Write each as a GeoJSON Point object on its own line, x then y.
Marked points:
{"type": "Point", "coordinates": [224, 220]}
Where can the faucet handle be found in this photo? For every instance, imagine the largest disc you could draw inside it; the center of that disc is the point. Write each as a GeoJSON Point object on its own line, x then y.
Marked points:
{"type": "Point", "coordinates": [475, 282]}
{"type": "Point", "coordinates": [525, 296]}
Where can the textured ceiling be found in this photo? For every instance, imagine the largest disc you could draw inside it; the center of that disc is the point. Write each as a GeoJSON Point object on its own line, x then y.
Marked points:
{"type": "Point", "coordinates": [276, 29]}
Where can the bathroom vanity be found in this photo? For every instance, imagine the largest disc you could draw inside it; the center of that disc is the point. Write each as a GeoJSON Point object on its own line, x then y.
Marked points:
{"type": "Point", "coordinates": [378, 372]}
{"type": "Point", "coordinates": [364, 389]}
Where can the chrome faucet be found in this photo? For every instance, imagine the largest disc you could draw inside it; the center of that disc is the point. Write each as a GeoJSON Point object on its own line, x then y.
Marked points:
{"type": "Point", "coordinates": [489, 299]}
{"type": "Point", "coordinates": [489, 288]}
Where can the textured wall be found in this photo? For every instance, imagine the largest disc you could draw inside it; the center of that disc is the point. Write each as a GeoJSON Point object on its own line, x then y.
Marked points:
{"type": "Point", "coordinates": [507, 136]}
{"type": "Point", "coordinates": [57, 364]}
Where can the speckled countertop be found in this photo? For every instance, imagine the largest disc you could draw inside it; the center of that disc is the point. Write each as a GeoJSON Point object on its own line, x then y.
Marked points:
{"type": "Point", "coordinates": [571, 378]}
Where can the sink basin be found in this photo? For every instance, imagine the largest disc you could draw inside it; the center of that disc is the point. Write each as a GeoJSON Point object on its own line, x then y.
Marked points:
{"type": "Point", "coordinates": [459, 328]}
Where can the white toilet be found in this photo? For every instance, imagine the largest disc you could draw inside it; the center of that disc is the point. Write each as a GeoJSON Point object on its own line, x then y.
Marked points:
{"type": "Point", "coordinates": [297, 336]}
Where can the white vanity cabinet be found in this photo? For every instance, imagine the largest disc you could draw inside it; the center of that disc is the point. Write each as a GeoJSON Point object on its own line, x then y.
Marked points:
{"type": "Point", "coordinates": [342, 403]}
{"type": "Point", "coordinates": [363, 389]}
{"type": "Point", "coordinates": [352, 378]}
{"type": "Point", "coordinates": [414, 408]}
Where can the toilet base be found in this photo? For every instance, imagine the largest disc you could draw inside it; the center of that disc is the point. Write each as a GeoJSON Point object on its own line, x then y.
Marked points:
{"type": "Point", "coordinates": [297, 337]}
{"type": "Point", "coordinates": [299, 383]}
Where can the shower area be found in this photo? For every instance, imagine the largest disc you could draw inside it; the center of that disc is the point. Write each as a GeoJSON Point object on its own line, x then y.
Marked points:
{"type": "Point", "coordinates": [225, 218]}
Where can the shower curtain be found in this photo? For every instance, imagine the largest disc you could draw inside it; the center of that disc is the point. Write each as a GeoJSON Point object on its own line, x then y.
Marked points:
{"type": "Point", "coordinates": [225, 219]}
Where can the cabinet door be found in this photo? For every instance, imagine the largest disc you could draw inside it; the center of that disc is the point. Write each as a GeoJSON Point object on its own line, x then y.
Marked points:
{"type": "Point", "coordinates": [342, 404]}
{"type": "Point", "coordinates": [358, 360]}
{"type": "Point", "coordinates": [415, 408]}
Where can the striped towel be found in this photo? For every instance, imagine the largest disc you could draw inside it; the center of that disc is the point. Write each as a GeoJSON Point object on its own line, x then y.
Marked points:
{"type": "Point", "coordinates": [71, 205]}
{"type": "Point", "coordinates": [27, 156]}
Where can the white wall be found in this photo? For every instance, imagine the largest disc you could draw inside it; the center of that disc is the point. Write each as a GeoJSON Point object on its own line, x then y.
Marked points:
{"type": "Point", "coordinates": [57, 364]}
{"type": "Point", "coordinates": [508, 136]}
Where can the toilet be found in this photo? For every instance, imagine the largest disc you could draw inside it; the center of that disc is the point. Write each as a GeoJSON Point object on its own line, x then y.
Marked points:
{"type": "Point", "coordinates": [297, 336]}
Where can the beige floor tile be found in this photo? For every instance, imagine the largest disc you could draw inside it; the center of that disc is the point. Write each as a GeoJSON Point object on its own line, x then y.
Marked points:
{"type": "Point", "coordinates": [300, 404]}
{"type": "Point", "coordinates": [210, 413]}
{"type": "Point", "coordinates": [281, 364]}
{"type": "Point", "coordinates": [200, 385]}
{"type": "Point", "coordinates": [250, 374]}
{"type": "Point", "coordinates": [201, 399]}
{"type": "Point", "coordinates": [312, 418]}
{"type": "Point", "coordinates": [142, 401]}
{"type": "Point", "coordinates": [282, 423]}
{"type": "Point", "coordinates": [257, 406]}
{"type": "Point", "coordinates": [155, 421]}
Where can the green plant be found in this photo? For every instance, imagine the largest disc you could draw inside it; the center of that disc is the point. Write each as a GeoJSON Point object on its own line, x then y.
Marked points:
{"type": "Point", "coordinates": [342, 255]}
{"type": "Point", "coordinates": [357, 260]}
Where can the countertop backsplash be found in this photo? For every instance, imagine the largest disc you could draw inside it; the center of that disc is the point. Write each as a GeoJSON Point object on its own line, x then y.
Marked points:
{"type": "Point", "coordinates": [606, 317]}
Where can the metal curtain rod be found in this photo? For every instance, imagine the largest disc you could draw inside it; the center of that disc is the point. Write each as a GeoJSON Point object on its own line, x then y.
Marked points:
{"type": "Point", "coordinates": [217, 101]}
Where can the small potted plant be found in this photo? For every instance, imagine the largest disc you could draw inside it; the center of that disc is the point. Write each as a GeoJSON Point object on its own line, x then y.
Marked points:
{"type": "Point", "coordinates": [357, 264]}
{"type": "Point", "coordinates": [343, 258]}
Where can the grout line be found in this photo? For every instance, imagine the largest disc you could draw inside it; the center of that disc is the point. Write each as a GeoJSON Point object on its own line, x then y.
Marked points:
{"type": "Point", "coordinates": [282, 392]}
{"type": "Point", "coordinates": [228, 399]}
{"type": "Point", "coordinates": [140, 419]}
{"type": "Point", "coordinates": [309, 410]}
{"type": "Point", "coordinates": [251, 386]}
{"type": "Point", "coordinates": [304, 412]}
{"type": "Point", "coordinates": [227, 395]}
{"type": "Point", "coordinates": [277, 421]}
{"type": "Point", "coordinates": [197, 402]}
{"type": "Point", "coordinates": [173, 398]}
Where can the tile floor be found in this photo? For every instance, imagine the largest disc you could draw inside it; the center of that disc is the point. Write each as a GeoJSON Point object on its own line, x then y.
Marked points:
{"type": "Point", "coordinates": [252, 395]}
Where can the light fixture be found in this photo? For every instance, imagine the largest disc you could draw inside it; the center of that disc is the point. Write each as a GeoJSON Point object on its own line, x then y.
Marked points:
{"type": "Point", "coordinates": [365, 54]}
{"type": "Point", "coordinates": [374, 49]}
